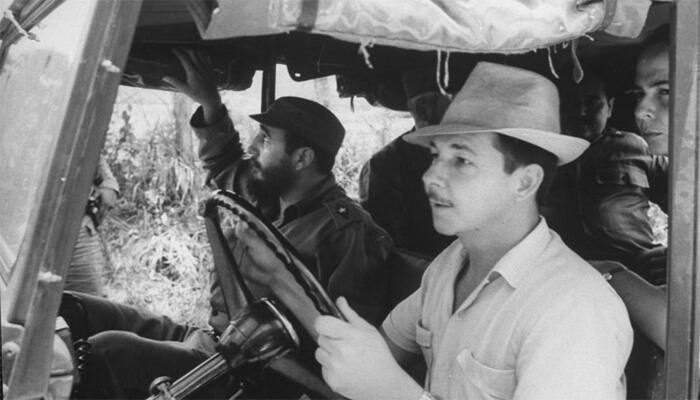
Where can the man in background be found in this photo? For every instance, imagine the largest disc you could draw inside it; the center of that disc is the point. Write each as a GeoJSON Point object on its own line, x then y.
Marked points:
{"type": "Point", "coordinates": [647, 304]}
{"type": "Point", "coordinates": [391, 188]}
{"type": "Point", "coordinates": [88, 263]}
{"type": "Point", "coordinates": [600, 203]}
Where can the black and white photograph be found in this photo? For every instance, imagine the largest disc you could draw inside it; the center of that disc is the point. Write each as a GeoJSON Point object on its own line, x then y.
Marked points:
{"type": "Point", "coordinates": [350, 199]}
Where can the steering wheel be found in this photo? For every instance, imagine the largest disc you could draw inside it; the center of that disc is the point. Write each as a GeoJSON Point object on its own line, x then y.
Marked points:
{"type": "Point", "coordinates": [241, 303]}
{"type": "Point", "coordinates": [227, 201]}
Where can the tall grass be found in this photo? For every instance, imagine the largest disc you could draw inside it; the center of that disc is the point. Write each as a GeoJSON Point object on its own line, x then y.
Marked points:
{"type": "Point", "coordinates": [158, 251]}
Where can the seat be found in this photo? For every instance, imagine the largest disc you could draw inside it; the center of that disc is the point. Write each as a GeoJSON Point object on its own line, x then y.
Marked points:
{"type": "Point", "coordinates": [405, 272]}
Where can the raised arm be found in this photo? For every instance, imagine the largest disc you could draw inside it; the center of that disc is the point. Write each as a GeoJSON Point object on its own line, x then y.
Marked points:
{"type": "Point", "coordinates": [200, 84]}
{"type": "Point", "coordinates": [220, 149]}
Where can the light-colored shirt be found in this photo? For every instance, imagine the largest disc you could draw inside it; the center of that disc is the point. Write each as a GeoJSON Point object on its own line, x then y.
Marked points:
{"type": "Point", "coordinates": [542, 325]}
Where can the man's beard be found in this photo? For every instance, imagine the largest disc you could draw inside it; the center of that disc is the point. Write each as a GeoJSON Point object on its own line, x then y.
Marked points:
{"type": "Point", "coordinates": [275, 180]}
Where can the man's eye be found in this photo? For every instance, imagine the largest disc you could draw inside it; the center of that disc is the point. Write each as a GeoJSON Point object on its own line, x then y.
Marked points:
{"type": "Point", "coordinates": [664, 91]}
{"type": "Point", "coordinates": [594, 102]}
{"type": "Point", "coordinates": [635, 94]}
{"type": "Point", "coordinates": [462, 161]}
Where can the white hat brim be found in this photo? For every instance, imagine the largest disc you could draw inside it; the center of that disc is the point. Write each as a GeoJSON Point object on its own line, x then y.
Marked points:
{"type": "Point", "coordinates": [566, 148]}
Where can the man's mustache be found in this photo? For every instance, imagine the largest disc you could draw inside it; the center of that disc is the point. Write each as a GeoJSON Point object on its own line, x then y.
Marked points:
{"type": "Point", "coordinates": [432, 195]}
{"type": "Point", "coordinates": [253, 161]}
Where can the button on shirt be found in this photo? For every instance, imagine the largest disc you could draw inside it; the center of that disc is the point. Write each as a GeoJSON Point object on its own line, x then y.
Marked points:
{"type": "Point", "coordinates": [543, 325]}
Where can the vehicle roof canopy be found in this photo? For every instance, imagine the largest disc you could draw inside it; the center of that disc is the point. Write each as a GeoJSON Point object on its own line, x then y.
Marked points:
{"type": "Point", "coordinates": [367, 50]}
{"type": "Point", "coordinates": [367, 43]}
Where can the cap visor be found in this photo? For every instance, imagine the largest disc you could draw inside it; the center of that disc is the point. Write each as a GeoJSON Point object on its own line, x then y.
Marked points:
{"type": "Point", "coordinates": [270, 120]}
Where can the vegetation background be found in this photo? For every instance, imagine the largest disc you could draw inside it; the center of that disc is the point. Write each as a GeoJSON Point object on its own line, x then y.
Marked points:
{"type": "Point", "coordinates": [159, 257]}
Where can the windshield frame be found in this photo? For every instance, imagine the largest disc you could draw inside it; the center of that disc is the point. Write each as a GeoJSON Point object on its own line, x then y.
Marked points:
{"type": "Point", "coordinates": [683, 321]}
{"type": "Point", "coordinates": [34, 290]}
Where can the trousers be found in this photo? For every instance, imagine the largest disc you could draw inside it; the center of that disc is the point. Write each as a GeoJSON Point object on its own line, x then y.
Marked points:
{"type": "Point", "coordinates": [128, 348]}
{"type": "Point", "coordinates": [88, 262]}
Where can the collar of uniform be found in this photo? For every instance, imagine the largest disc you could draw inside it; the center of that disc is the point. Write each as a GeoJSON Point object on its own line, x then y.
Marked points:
{"type": "Point", "coordinates": [317, 196]}
{"type": "Point", "coordinates": [608, 131]}
{"type": "Point", "coordinates": [516, 264]}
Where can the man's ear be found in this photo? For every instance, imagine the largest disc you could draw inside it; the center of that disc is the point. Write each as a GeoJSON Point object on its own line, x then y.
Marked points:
{"type": "Point", "coordinates": [303, 157]}
{"type": "Point", "coordinates": [611, 106]}
{"type": "Point", "coordinates": [528, 179]}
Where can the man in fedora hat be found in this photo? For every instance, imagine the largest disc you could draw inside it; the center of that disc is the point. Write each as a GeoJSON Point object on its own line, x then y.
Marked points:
{"type": "Point", "coordinates": [288, 174]}
{"type": "Point", "coordinates": [507, 310]}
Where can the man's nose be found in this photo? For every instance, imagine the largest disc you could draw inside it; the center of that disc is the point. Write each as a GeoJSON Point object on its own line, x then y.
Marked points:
{"type": "Point", "coordinates": [254, 147]}
{"type": "Point", "coordinates": [581, 109]}
{"type": "Point", "coordinates": [645, 110]}
{"type": "Point", "coordinates": [433, 176]}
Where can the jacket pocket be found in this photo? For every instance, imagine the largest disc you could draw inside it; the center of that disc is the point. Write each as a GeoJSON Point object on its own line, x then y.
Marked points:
{"type": "Point", "coordinates": [491, 382]}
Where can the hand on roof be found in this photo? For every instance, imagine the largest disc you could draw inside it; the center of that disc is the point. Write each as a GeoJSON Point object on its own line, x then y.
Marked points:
{"type": "Point", "coordinates": [200, 85]}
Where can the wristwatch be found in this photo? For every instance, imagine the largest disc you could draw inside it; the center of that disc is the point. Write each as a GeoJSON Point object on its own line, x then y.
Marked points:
{"type": "Point", "coordinates": [609, 275]}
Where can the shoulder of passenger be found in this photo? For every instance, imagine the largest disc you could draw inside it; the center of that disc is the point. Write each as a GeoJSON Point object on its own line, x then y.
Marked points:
{"type": "Point", "coordinates": [622, 140]}
{"type": "Point", "coordinates": [389, 155]}
{"type": "Point", "coordinates": [572, 280]}
{"type": "Point", "coordinates": [580, 279]}
{"type": "Point", "coordinates": [344, 212]}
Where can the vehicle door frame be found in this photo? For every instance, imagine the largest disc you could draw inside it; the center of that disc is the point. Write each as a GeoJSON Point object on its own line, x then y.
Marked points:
{"type": "Point", "coordinates": [36, 283]}
{"type": "Point", "coordinates": [682, 337]}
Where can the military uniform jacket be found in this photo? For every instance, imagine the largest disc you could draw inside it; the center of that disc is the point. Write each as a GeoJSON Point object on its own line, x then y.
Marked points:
{"type": "Point", "coordinates": [599, 204]}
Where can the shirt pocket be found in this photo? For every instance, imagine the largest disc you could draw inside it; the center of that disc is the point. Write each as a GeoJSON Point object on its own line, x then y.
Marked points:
{"type": "Point", "coordinates": [627, 175]}
{"type": "Point", "coordinates": [424, 339]}
{"type": "Point", "coordinates": [492, 383]}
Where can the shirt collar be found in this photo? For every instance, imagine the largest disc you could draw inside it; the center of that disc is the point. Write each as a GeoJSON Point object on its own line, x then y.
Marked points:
{"type": "Point", "coordinates": [317, 195]}
{"type": "Point", "coordinates": [516, 264]}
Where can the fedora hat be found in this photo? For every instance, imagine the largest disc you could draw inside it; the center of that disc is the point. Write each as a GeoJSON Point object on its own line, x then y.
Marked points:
{"type": "Point", "coordinates": [510, 101]}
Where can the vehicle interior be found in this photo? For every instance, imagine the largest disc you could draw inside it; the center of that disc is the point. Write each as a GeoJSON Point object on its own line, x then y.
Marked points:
{"type": "Point", "coordinates": [65, 83]}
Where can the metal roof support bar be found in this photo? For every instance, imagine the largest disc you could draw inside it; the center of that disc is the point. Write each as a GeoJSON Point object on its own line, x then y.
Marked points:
{"type": "Point", "coordinates": [269, 76]}
{"type": "Point", "coordinates": [684, 279]}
